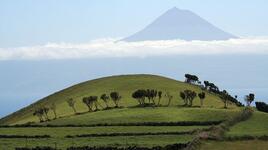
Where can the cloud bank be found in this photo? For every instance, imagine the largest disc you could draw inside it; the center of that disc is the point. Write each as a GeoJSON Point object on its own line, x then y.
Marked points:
{"type": "Point", "coordinates": [110, 48]}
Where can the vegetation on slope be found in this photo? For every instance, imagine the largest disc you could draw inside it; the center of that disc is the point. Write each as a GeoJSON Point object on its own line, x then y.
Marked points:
{"type": "Point", "coordinates": [125, 85]}
{"type": "Point", "coordinates": [257, 125]}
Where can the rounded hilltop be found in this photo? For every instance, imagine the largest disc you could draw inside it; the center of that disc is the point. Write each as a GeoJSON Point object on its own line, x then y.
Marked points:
{"type": "Point", "coordinates": [124, 85]}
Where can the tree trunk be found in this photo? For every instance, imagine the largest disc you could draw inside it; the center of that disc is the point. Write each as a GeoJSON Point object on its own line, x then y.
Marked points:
{"type": "Point", "coordinates": [225, 104]}
{"type": "Point", "coordinates": [106, 103]}
{"type": "Point", "coordinates": [55, 114]}
{"type": "Point", "coordinates": [169, 100]}
{"type": "Point", "coordinates": [201, 102]}
{"type": "Point", "coordinates": [74, 110]}
{"type": "Point", "coordinates": [158, 101]}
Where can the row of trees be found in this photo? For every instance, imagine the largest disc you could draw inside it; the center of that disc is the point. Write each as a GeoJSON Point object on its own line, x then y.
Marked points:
{"type": "Point", "coordinates": [150, 94]}
{"type": "Point", "coordinates": [42, 113]}
{"type": "Point", "coordinates": [92, 101]}
{"type": "Point", "coordinates": [147, 97]}
{"type": "Point", "coordinates": [211, 87]}
{"type": "Point", "coordinates": [188, 97]}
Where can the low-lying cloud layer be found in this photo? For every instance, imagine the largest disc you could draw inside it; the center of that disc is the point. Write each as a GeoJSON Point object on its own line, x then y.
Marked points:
{"type": "Point", "coordinates": [111, 48]}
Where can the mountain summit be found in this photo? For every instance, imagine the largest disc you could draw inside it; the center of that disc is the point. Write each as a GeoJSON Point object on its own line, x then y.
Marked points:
{"type": "Point", "coordinates": [180, 24]}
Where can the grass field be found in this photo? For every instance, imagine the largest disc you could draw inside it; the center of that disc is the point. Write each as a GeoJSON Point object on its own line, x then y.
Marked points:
{"type": "Point", "coordinates": [119, 141]}
{"type": "Point", "coordinates": [64, 131]}
{"type": "Point", "coordinates": [257, 125]}
{"type": "Point", "coordinates": [235, 145]}
{"type": "Point", "coordinates": [125, 85]}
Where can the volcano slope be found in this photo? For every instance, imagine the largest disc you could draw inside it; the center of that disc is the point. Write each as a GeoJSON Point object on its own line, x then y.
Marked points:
{"type": "Point", "coordinates": [127, 125]}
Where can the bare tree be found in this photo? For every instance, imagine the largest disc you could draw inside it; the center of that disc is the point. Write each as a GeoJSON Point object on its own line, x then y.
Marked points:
{"type": "Point", "coordinates": [39, 113]}
{"type": "Point", "coordinates": [170, 97]}
{"type": "Point", "coordinates": [159, 97]}
{"type": "Point", "coordinates": [249, 98]}
{"type": "Point", "coordinates": [225, 98]}
{"type": "Point", "coordinates": [45, 110]}
{"type": "Point", "coordinates": [116, 98]}
{"type": "Point", "coordinates": [202, 96]}
{"type": "Point", "coordinates": [105, 99]}
{"type": "Point", "coordinates": [53, 107]}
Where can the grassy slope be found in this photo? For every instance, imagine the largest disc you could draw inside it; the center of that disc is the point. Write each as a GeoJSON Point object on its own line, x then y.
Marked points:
{"type": "Point", "coordinates": [124, 84]}
{"type": "Point", "coordinates": [135, 115]}
{"type": "Point", "coordinates": [257, 125]}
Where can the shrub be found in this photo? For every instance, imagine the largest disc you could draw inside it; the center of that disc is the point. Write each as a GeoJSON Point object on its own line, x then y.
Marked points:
{"type": "Point", "coordinates": [261, 106]}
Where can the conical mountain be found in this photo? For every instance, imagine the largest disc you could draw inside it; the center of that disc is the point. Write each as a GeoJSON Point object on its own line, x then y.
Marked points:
{"type": "Point", "coordinates": [180, 24]}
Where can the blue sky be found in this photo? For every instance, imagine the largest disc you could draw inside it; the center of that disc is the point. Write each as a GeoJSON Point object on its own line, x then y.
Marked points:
{"type": "Point", "coordinates": [32, 22]}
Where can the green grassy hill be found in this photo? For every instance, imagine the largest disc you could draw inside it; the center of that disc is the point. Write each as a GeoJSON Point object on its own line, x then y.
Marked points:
{"type": "Point", "coordinates": [130, 125]}
{"type": "Point", "coordinates": [124, 84]}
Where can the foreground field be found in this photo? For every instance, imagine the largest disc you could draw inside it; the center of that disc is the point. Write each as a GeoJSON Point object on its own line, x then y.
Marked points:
{"type": "Point", "coordinates": [119, 141]}
{"type": "Point", "coordinates": [257, 125]}
{"type": "Point", "coordinates": [235, 145]}
{"type": "Point", "coordinates": [61, 132]}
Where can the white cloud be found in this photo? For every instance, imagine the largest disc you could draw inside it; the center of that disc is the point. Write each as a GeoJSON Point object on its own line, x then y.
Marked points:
{"type": "Point", "coordinates": [111, 48]}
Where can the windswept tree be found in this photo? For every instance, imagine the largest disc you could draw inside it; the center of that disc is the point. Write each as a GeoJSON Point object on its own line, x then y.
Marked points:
{"type": "Point", "coordinates": [115, 98]}
{"type": "Point", "coordinates": [95, 101]}
{"type": "Point", "coordinates": [105, 99]}
{"type": "Point", "coordinates": [88, 102]}
{"type": "Point", "coordinates": [225, 98]}
{"type": "Point", "coordinates": [188, 96]}
{"type": "Point", "coordinates": [147, 94]}
{"type": "Point", "coordinates": [249, 98]}
{"type": "Point", "coordinates": [191, 78]}
{"type": "Point", "coordinates": [236, 96]}
{"type": "Point", "coordinates": [45, 110]}
{"type": "Point", "coordinates": [169, 97]}
{"type": "Point", "coordinates": [183, 97]}
{"type": "Point", "coordinates": [39, 113]}
{"type": "Point", "coordinates": [71, 103]}
{"type": "Point", "coordinates": [202, 96]}
{"type": "Point", "coordinates": [211, 87]}
{"type": "Point", "coordinates": [53, 107]}
{"type": "Point", "coordinates": [159, 97]}
{"type": "Point", "coordinates": [152, 94]}
{"type": "Point", "coordinates": [140, 95]}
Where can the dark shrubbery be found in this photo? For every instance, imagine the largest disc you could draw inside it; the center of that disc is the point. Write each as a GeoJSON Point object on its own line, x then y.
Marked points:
{"type": "Point", "coordinates": [191, 78]}
{"type": "Point", "coordinates": [129, 134]}
{"type": "Point", "coordinates": [151, 94]}
{"type": "Point", "coordinates": [261, 106]}
{"type": "Point", "coordinates": [246, 137]}
{"type": "Point", "coordinates": [24, 136]}
{"type": "Point", "coordinates": [181, 123]}
{"type": "Point", "coordinates": [168, 147]}
{"type": "Point", "coordinates": [36, 148]}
